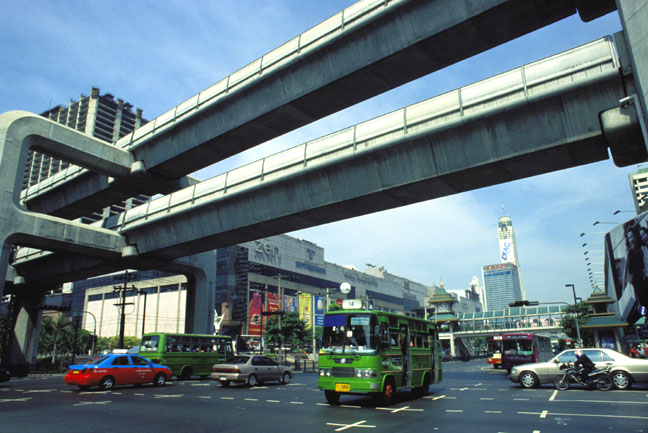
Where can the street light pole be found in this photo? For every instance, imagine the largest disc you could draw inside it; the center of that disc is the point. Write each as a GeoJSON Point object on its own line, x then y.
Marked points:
{"type": "Point", "coordinates": [580, 342]}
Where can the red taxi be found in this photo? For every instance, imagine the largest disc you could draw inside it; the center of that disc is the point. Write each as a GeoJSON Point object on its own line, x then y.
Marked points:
{"type": "Point", "coordinates": [106, 371]}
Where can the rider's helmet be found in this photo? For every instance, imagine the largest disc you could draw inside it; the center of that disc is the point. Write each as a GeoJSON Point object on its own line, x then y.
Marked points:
{"type": "Point", "coordinates": [578, 352]}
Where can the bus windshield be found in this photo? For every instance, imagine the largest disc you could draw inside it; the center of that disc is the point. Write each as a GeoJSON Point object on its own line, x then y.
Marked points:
{"type": "Point", "coordinates": [349, 334]}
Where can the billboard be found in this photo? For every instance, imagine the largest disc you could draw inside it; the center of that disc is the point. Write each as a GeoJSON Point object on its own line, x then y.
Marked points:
{"type": "Point", "coordinates": [626, 259]}
{"type": "Point", "coordinates": [507, 251]}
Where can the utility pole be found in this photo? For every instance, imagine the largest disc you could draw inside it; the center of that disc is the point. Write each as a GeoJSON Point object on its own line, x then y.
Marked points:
{"type": "Point", "coordinates": [580, 342]}
{"type": "Point", "coordinates": [122, 304]}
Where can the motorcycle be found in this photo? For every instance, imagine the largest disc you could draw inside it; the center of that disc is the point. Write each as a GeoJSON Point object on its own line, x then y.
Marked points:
{"type": "Point", "coordinates": [599, 377]}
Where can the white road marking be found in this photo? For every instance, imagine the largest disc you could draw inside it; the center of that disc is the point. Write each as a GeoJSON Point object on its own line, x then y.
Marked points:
{"type": "Point", "coordinates": [201, 384]}
{"type": "Point", "coordinates": [227, 398]}
{"type": "Point", "coordinates": [205, 396]}
{"type": "Point", "coordinates": [454, 410]}
{"type": "Point", "coordinates": [7, 400]}
{"type": "Point", "coordinates": [139, 393]}
{"type": "Point", "coordinates": [492, 411]}
{"type": "Point", "coordinates": [252, 399]}
{"type": "Point", "coordinates": [38, 390]}
{"type": "Point", "coordinates": [355, 424]}
{"type": "Point", "coordinates": [296, 402]}
{"type": "Point", "coordinates": [521, 399]}
{"type": "Point", "coordinates": [553, 395]}
{"type": "Point", "coordinates": [350, 406]}
{"type": "Point", "coordinates": [486, 398]}
{"type": "Point", "coordinates": [544, 414]}
{"type": "Point", "coordinates": [86, 403]}
{"type": "Point", "coordinates": [437, 397]}
{"type": "Point", "coordinates": [169, 395]}
{"type": "Point", "coordinates": [273, 401]}
{"type": "Point", "coordinates": [584, 414]}
{"type": "Point", "coordinates": [400, 409]}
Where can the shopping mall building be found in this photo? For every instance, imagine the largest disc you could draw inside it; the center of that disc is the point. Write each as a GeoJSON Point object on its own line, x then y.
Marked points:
{"type": "Point", "coordinates": [250, 274]}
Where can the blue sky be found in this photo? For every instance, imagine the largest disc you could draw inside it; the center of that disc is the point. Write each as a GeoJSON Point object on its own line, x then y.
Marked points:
{"type": "Point", "coordinates": [157, 54]}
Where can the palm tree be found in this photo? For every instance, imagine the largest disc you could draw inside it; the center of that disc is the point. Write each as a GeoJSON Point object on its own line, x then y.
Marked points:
{"type": "Point", "coordinates": [53, 332]}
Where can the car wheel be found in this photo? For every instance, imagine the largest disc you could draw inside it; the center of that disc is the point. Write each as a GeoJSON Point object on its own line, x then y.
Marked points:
{"type": "Point", "coordinates": [285, 378]}
{"type": "Point", "coordinates": [252, 380]}
{"type": "Point", "coordinates": [331, 396]}
{"type": "Point", "coordinates": [621, 380]}
{"type": "Point", "coordinates": [528, 379]}
{"type": "Point", "coordinates": [107, 383]}
{"type": "Point", "coordinates": [159, 379]}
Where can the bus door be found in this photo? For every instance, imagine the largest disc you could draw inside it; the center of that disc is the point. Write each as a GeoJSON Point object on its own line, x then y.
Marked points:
{"type": "Point", "coordinates": [407, 355]}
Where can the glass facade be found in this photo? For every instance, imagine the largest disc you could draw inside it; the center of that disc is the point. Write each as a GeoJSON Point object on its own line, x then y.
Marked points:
{"type": "Point", "coordinates": [501, 286]}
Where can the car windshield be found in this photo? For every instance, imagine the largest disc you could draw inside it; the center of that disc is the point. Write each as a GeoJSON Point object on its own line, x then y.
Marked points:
{"type": "Point", "coordinates": [238, 360]}
{"type": "Point", "coordinates": [97, 360]}
{"type": "Point", "coordinates": [349, 333]}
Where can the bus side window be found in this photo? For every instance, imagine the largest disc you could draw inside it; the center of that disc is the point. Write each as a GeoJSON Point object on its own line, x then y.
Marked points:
{"type": "Point", "coordinates": [393, 339]}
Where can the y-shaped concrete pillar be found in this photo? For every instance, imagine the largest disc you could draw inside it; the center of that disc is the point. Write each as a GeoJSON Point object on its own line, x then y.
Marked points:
{"type": "Point", "coordinates": [21, 131]}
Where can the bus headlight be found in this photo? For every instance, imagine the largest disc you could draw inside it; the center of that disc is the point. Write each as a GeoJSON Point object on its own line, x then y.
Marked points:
{"type": "Point", "coordinates": [325, 372]}
{"type": "Point", "coordinates": [365, 372]}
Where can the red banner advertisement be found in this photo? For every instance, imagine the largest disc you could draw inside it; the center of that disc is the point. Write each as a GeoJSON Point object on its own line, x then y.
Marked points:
{"type": "Point", "coordinates": [256, 307]}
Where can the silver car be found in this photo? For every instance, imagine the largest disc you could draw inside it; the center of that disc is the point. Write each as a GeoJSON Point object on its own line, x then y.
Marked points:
{"type": "Point", "coordinates": [250, 369]}
{"type": "Point", "coordinates": [625, 370]}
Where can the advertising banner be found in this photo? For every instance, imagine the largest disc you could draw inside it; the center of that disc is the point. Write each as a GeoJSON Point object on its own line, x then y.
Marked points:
{"type": "Point", "coordinates": [627, 248]}
{"type": "Point", "coordinates": [305, 309]}
{"type": "Point", "coordinates": [319, 310]}
{"type": "Point", "coordinates": [290, 303]}
{"type": "Point", "coordinates": [256, 307]}
{"type": "Point", "coordinates": [507, 254]}
{"type": "Point", "coordinates": [273, 301]}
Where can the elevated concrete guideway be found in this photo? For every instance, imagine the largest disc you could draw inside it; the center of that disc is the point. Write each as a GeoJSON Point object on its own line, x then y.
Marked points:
{"type": "Point", "coordinates": [368, 48]}
{"type": "Point", "coordinates": [538, 118]}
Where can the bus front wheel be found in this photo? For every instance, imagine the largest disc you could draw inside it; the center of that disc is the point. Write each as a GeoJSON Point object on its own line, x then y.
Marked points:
{"type": "Point", "coordinates": [331, 396]}
{"type": "Point", "coordinates": [387, 394]}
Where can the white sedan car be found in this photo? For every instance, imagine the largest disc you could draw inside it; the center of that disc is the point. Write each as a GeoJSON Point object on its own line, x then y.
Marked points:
{"type": "Point", "coordinates": [625, 370]}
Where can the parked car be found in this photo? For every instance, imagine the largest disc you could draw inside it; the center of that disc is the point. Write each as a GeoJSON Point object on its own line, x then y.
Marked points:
{"type": "Point", "coordinates": [4, 375]}
{"type": "Point", "coordinates": [625, 370]}
{"type": "Point", "coordinates": [251, 370]}
{"type": "Point", "coordinates": [106, 371]}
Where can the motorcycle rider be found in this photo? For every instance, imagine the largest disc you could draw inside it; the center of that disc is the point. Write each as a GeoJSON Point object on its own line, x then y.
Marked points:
{"type": "Point", "coordinates": [586, 365]}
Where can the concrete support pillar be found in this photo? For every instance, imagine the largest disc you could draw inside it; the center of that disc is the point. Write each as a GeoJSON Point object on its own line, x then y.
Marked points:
{"type": "Point", "coordinates": [634, 16]}
{"type": "Point", "coordinates": [24, 340]}
{"type": "Point", "coordinates": [201, 292]}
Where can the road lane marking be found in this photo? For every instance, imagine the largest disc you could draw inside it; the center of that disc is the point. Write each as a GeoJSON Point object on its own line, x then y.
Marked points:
{"type": "Point", "coordinates": [521, 399]}
{"type": "Point", "coordinates": [86, 403]}
{"type": "Point", "coordinates": [400, 409]}
{"type": "Point", "coordinates": [437, 397]}
{"type": "Point", "coordinates": [492, 411]}
{"type": "Point", "coordinates": [252, 399]}
{"type": "Point", "coordinates": [544, 414]}
{"type": "Point", "coordinates": [227, 398]}
{"type": "Point", "coordinates": [169, 395]}
{"type": "Point", "coordinates": [38, 390]}
{"type": "Point", "coordinates": [201, 384]}
{"type": "Point", "coordinates": [454, 410]}
{"type": "Point", "coordinates": [486, 398]}
{"type": "Point", "coordinates": [347, 426]}
{"type": "Point", "coordinates": [296, 402]}
{"type": "Point", "coordinates": [205, 396]}
{"type": "Point", "coordinates": [350, 406]}
{"type": "Point", "coordinates": [7, 400]}
{"type": "Point", "coordinates": [602, 401]}
{"type": "Point", "coordinates": [584, 414]}
{"type": "Point", "coordinates": [323, 404]}
{"type": "Point", "coordinates": [273, 401]}
{"type": "Point", "coordinates": [553, 395]}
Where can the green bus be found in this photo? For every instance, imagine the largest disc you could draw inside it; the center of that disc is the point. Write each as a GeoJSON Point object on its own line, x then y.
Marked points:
{"type": "Point", "coordinates": [378, 353]}
{"type": "Point", "coordinates": [186, 354]}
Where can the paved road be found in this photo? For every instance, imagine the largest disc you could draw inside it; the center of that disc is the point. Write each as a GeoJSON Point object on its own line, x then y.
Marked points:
{"type": "Point", "coordinates": [471, 398]}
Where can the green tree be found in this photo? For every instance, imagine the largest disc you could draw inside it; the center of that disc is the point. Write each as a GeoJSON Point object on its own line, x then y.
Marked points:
{"type": "Point", "coordinates": [110, 343]}
{"type": "Point", "coordinates": [56, 336]}
{"type": "Point", "coordinates": [578, 312]}
{"type": "Point", "coordinates": [292, 332]}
